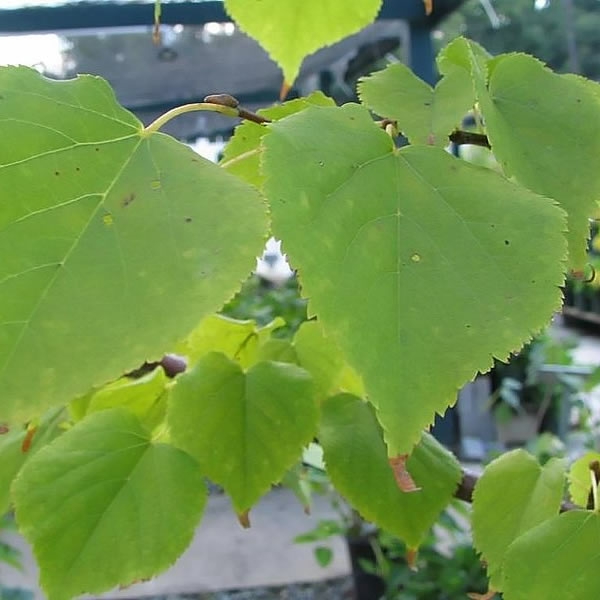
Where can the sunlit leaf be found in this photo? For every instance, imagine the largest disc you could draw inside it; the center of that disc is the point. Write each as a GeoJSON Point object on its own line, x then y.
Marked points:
{"type": "Point", "coordinates": [580, 482]}
{"type": "Point", "coordinates": [513, 495]}
{"type": "Point", "coordinates": [241, 155]}
{"type": "Point", "coordinates": [414, 262]}
{"type": "Point", "coordinates": [114, 242]}
{"type": "Point", "coordinates": [244, 429]}
{"type": "Point", "coordinates": [103, 505]}
{"type": "Point", "coordinates": [291, 30]}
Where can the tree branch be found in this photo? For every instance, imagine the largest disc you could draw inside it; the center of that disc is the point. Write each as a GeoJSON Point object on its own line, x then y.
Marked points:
{"type": "Point", "coordinates": [468, 137]}
{"type": "Point", "coordinates": [468, 482]}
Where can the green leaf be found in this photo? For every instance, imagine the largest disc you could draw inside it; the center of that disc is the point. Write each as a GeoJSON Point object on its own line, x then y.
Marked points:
{"type": "Point", "coordinates": [323, 555]}
{"type": "Point", "coordinates": [278, 351]}
{"type": "Point", "coordinates": [513, 495]}
{"type": "Point", "coordinates": [113, 247]}
{"type": "Point", "coordinates": [425, 115]}
{"type": "Point", "coordinates": [245, 429]}
{"type": "Point", "coordinates": [139, 395]}
{"type": "Point", "coordinates": [558, 560]}
{"type": "Point", "coordinates": [241, 155]}
{"type": "Point", "coordinates": [236, 339]}
{"type": "Point", "coordinates": [289, 31]}
{"type": "Point", "coordinates": [381, 236]}
{"type": "Point", "coordinates": [580, 482]}
{"type": "Point", "coordinates": [103, 505]}
{"type": "Point", "coordinates": [357, 463]}
{"type": "Point", "coordinates": [13, 456]}
{"type": "Point", "coordinates": [320, 356]}
{"type": "Point", "coordinates": [530, 114]}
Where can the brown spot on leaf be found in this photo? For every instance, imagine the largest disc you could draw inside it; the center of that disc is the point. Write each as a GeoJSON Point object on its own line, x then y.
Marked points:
{"type": "Point", "coordinates": [128, 199]}
{"type": "Point", "coordinates": [403, 478]}
{"type": "Point", "coordinates": [188, 219]}
{"type": "Point", "coordinates": [4, 428]}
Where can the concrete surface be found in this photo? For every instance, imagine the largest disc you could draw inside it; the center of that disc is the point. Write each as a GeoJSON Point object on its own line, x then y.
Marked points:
{"type": "Point", "coordinates": [225, 556]}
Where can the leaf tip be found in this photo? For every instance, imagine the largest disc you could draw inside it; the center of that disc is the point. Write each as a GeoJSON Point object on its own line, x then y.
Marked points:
{"type": "Point", "coordinates": [244, 519]}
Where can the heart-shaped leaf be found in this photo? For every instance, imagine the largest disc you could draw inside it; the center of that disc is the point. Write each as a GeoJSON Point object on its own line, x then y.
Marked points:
{"type": "Point", "coordinates": [580, 480]}
{"type": "Point", "coordinates": [291, 30]}
{"type": "Point", "coordinates": [244, 429]}
{"type": "Point", "coordinates": [114, 241]}
{"type": "Point", "coordinates": [103, 505]}
{"type": "Point", "coordinates": [513, 495]}
{"type": "Point", "coordinates": [425, 115]}
{"type": "Point", "coordinates": [420, 266]}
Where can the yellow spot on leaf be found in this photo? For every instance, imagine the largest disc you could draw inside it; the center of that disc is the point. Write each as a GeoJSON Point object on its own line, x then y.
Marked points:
{"type": "Point", "coordinates": [108, 219]}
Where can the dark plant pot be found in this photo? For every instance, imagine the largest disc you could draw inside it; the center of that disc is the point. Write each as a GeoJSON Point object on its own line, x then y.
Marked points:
{"type": "Point", "coordinates": [366, 585]}
{"type": "Point", "coordinates": [582, 300]}
{"type": "Point", "coordinates": [595, 301]}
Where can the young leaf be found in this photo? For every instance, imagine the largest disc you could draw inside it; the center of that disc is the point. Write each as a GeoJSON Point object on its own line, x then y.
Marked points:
{"type": "Point", "coordinates": [241, 155]}
{"type": "Point", "coordinates": [513, 495]}
{"type": "Point", "coordinates": [580, 483]}
{"type": "Point", "coordinates": [379, 237]}
{"type": "Point", "coordinates": [425, 115]}
{"type": "Point", "coordinates": [137, 395]}
{"type": "Point", "coordinates": [103, 505]}
{"type": "Point", "coordinates": [530, 114]}
{"type": "Point", "coordinates": [245, 429]}
{"type": "Point", "coordinates": [236, 339]}
{"type": "Point", "coordinates": [558, 560]}
{"type": "Point", "coordinates": [114, 241]}
{"type": "Point", "coordinates": [357, 462]}
{"type": "Point", "coordinates": [291, 30]}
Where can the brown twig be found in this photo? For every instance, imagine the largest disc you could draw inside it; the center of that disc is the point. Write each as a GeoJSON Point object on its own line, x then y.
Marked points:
{"type": "Point", "coordinates": [469, 137]}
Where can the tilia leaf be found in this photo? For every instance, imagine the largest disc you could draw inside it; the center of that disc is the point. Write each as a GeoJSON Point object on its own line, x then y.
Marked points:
{"type": "Point", "coordinates": [380, 236]}
{"type": "Point", "coordinates": [291, 30]}
{"type": "Point", "coordinates": [103, 505]}
{"type": "Point", "coordinates": [114, 242]}
{"type": "Point", "coordinates": [357, 463]}
{"type": "Point", "coordinates": [244, 429]}
{"type": "Point", "coordinates": [513, 495]}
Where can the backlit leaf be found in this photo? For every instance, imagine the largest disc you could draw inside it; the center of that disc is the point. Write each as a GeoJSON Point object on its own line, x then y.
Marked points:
{"type": "Point", "coordinates": [103, 505]}
{"type": "Point", "coordinates": [513, 495]}
{"type": "Point", "coordinates": [114, 242]}
{"type": "Point", "coordinates": [244, 429]}
{"type": "Point", "coordinates": [357, 463]}
{"type": "Point", "coordinates": [580, 482]}
{"type": "Point", "coordinates": [241, 155]}
{"type": "Point", "coordinates": [415, 262]}
{"type": "Point", "coordinates": [291, 30]}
